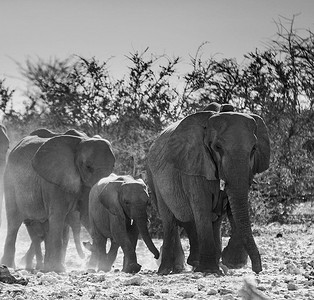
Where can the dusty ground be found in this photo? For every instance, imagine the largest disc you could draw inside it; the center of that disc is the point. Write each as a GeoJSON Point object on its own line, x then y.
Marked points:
{"type": "Point", "coordinates": [288, 273]}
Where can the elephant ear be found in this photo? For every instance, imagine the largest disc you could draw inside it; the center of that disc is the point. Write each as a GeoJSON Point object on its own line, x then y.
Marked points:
{"type": "Point", "coordinates": [55, 162]}
{"type": "Point", "coordinates": [262, 154]}
{"type": "Point", "coordinates": [187, 150]}
{"type": "Point", "coordinates": [109, 198]}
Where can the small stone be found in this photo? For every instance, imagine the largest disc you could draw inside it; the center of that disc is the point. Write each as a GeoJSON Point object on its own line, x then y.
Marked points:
{"type": "Point", "coordinates": [135, 280]}
{"type": "Point", "coordinates": [48, 279]}
{"type": "Point", "coordinates": [292, 287]}
{"type": "Point", "coordinates": [91, 271]}
{"type": "Point", "coordinates": [115, 295]}
{"type": "Point", "coordinates": [23, 273]}
{"type": "Point", "coordinates": [186, 294]}
{"type": "Point", "coordinates": [291, 268]}
{"type": "Point", "coordinates": [164, 291]}
{"type": "Point", "coordinates": [224, 291]}
{"type": "Point", "coordinates": [148, 292]}
{"type": "Point", "coordinates": [212, 292]}
{"type": "Point", "coordinates": [228, 297]}
{"type": "Point", "coordinates": [200, 287]}
{"type": "Point", "coordinates": [39, 274]}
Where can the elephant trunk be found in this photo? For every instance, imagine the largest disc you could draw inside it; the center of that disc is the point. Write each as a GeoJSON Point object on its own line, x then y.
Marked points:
{"type": "Point", "coordinates": [142, 227]}
{"type": "Point", "coordinates": [238, 197]}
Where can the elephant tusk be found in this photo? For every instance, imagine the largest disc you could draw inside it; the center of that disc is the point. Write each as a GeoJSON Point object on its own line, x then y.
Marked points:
{"type": "Point", "coordinates": [132, 222]}
{"type": "Point", "coordinates": [222, 185]}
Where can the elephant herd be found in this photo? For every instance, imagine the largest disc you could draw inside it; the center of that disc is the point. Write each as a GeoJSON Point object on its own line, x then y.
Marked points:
{"type": "Point", "coordinates": [199, 169]}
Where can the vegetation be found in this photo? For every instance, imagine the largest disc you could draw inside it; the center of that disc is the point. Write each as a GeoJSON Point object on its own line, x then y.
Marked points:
{"type": "Point", "coordinates": [276, 83]}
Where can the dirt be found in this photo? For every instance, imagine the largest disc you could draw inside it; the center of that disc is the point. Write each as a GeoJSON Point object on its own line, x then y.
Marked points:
{"type": "Point", "coordinates": [288, 273]}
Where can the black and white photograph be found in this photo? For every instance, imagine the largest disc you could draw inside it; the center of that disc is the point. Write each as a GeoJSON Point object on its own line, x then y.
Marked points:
{"type": "Point", "coordinates": [156, 149]}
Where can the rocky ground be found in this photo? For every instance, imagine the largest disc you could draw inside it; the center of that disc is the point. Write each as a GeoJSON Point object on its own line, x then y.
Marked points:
{"type": "Point", "coordinates": [288, 273]}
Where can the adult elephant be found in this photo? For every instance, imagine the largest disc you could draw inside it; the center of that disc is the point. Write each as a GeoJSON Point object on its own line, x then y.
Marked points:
{"type": "Point", "coordinates": [38, 230]}
{"type": "Point", "coordinates": [198, 168]}
{"type": "Point", "coordinates": [45, 179]}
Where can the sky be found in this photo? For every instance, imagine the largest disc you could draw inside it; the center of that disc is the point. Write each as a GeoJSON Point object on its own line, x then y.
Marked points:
{"type": "Point", "coordinates": [113, 28]}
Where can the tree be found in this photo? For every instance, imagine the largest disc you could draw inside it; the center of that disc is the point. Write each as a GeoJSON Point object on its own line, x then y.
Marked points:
{"type": "Point", "coordinates": [6, 95]}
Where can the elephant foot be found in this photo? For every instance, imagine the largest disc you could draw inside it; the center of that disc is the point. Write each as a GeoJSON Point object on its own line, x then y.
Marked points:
{"type": "Point", "coordinates": [214, 270]}
{"type": "Point", "coordinates": [178, 269]}
{"type": "Point", "coordinates": [8, 262]}
{"type": "Point", "coordinates": [234, 258]}
{"type": "Point", "coordinates": [104, 268]}
{"type": "Point", "coordinates": [208, 264]}
{"type": "Point", "coordinates": [193, 262]}
{"type": "Point", "coordinates": [133, 268]}
{"type": "Point", "coordinates": [39, 266]}
{"type": "Point", "coordinates": [54, 268]}
{"type": "Point", "coordinates": [164, 271]}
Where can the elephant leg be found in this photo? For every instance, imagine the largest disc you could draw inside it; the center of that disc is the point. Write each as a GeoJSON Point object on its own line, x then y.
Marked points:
{"type": "Point", "coordinates": [29, 256]}
{"type": "Point", "coordinates": [14, 221]}
{"type": "Point", "coordinates": [65, 241]}
{"type": "Point", "coordinates": [179, 261]}
{"type": "Point", "coordinates": [98, 245]}
{"type": "Point", "coordinates": [130, 264]}
{"type": "Point", "coordinates": [37, 232]}
{"type": "Point", "coordinates": [133, 234]}
{"type": "Point", "coordinates": [39, 257]}
{"type": "Point", "coordinates": [93, 260]}
{"type": "Point", "coordinates": [202, 208]}
{"type": "Point", "coordinates": [73, 219]}
{"type": "Point", "coordinates": [208, 259]}
{"type": "Point", "coordinates": [112, 254]}
{"type": "Point", "coordinates": [217, 235]}
{"type": "Point", "coordinates": [171, 237]}
{"type": "Point", "coordinates": [122, 237]}
{"type": "Point", "coordinates": [102, 254]}
{"type": "Point", "coordinates": [53, 244]}
{"type": "Point", "coordinates": [234, 255]}
{"type": "Point", "coordinates": [190, 228]}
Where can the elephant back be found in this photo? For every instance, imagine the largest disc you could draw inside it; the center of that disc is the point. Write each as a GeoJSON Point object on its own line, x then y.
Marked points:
{"type": "Point", "coordinates": [24, 151]}
{"type": "Point", "coordinates": [44, 133]}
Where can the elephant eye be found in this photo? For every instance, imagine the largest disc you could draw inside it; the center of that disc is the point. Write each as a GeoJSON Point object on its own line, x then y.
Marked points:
{"type": "Point", "coordinates": [90, 169]}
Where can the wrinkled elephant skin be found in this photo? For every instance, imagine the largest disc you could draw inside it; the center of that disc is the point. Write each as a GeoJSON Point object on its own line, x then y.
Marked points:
{"type": "Point", "coordinates": [43, 181]}
{"type": "Point", "coordinates": [188, 166]}
{"type": "Point", "coordinates": [117, 210]}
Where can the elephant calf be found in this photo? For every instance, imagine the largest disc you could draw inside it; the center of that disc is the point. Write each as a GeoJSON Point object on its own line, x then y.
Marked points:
{"type": "Point", "coordinates": [117, 210]}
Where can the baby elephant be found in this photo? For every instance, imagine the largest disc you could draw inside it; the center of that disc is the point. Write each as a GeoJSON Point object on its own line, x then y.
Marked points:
{"type": "Point", "coordinates": [117, 210]}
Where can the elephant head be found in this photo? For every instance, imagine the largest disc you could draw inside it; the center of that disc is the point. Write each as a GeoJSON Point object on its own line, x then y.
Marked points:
{"type": "Point", "coordinates": [127, 198]}
{"type": "Point", "coordinates": [226, 147]}
{"type": "Point", "coordinates": [72, 162]}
